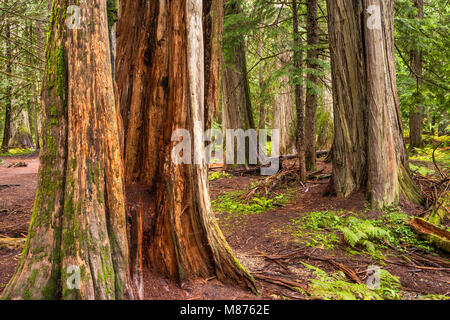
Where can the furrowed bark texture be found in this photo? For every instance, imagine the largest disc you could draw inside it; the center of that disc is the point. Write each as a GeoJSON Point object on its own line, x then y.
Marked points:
{"type": "Point", "coordinates": [78, 220]}
{"type": "Point", "coordinates": [368, 148]}
{"type": "Point", "coordinates": [8, 92]}
{"type": "Point", "coordinates": [212, 37]}
{"type": "Point", "coordinates": [165, 93]}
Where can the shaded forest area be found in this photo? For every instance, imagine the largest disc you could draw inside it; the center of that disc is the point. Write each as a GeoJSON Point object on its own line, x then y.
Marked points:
{"type": "Point", "coordinates": [100, 198]}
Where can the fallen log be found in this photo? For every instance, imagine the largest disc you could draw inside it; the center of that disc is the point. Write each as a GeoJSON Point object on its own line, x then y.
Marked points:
{"type": "Point", "coordinates": [437, 236]}
{"type": "Point", "coordinates": [12, 243]}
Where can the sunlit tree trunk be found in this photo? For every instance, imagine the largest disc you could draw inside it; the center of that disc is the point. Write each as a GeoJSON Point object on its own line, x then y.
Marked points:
{"type": "Point", "coordinates": [20, 134]}
{"type": "Point", "coordinates": [160, 75]}
{"type": "Point", "coordinates": [78, 220]}
{"type": "Point", "coordinates": [368, 149]}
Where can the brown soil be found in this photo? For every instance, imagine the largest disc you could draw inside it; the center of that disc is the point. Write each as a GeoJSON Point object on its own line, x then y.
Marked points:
{"type": "Point", "coordinates": [253, 237]}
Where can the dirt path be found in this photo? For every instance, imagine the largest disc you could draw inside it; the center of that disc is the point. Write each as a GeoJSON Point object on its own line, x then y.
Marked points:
{"type": "Point", "coordinates": [17, 192]}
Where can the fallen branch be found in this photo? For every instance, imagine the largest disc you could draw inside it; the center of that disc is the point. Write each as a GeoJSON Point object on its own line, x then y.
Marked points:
{"type": "Point", "coordinates": [348, 272]}
{"type": "Point", "coordinates": [282, 282]}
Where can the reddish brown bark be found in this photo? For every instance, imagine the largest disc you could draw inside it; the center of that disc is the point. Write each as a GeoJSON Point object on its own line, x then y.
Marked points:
{"type": "Point", "coordinates": [161, 89]}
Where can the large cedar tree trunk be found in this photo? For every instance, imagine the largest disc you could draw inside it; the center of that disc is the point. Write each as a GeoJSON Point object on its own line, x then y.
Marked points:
{"type": "Point", "coordinates": [79, 213]}
{"type": "Point", "coordinates": [368, 150]}
{"type": "Point", "coordinates": [160, 74]}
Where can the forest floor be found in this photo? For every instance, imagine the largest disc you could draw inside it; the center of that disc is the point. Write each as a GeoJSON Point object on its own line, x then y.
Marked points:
{"type": "Point", "coordinates": [291, 242]}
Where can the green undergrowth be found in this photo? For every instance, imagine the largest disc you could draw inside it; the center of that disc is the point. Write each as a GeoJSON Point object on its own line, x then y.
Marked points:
{"type": "Point", "coordinates": [237, 203]}
{"type": "Point", "coordinates": [329, 229]}
{"type": "Point", "coordinates": [16, 152]}
{"type": "Point", "coordinates": [383, 286]}
{"type": "Point", "coordinates": [213, 176]}
{"type": "Point", "coordinates": [424, 171]}
{"type": "Point", "coordinates": [425, 154]}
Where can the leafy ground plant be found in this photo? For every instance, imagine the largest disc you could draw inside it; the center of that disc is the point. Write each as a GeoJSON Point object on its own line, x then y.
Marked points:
{"type": "Point", "coordinates": [17, 152]}
{"type": "Point", "coordinates": [234, 203]}
{"type": "Point", "coordinates": [326, 229]}
{"type": "Point", "coordinates": [213, 176]}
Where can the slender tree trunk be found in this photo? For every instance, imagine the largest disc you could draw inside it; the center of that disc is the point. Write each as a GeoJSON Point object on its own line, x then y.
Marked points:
{"type": "Point", "coordinates": [368, 149]}
{"type": "Point", "coordinates": [312, 27]}
{"type": "Point", "coordinates": [299, 93]}
{"type": "Point", "coordinates": [185, 240]}
{"type": "Point", "coordinates": [284, 109]}
{"type": "Point", "coordinates": [212, 35]}
{"type": "Point", "coordinates": [78, 224]}
{"type": "Point", "coordinates": [32, 98]}
{"type": "Point", "coordinates": [261, 84]}
{"type": "Point", "coordinates": [8, 93]}
{"type": "Point", "coordinates": [415, 115]}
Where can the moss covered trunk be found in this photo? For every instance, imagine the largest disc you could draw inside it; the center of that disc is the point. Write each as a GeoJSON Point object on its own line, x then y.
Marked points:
{"type": "Point", "coordinates": [77, 246]}
{"type": "Point", "coordinates": [369, 151]}
{"type": "Point", "coordinates": [166, 92]}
